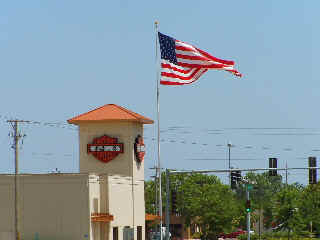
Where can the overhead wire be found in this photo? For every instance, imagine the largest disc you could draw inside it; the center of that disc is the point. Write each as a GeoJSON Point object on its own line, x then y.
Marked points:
{"type": "Point", "coordinates": [48, 124]}
{"type": "Point", "coordinates": [225, 159]}
{"type": "Point", "coordinates": [177, 130]}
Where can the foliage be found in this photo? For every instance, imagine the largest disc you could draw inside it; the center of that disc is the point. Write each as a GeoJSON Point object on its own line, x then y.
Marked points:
{"type": "Point", "coordinates": [286, 209]}
{"type": "Point", "coordinates": [310, 206]}
{"type": "Point", "coordinates": [207, 203]}
{"type": "Point", "coordinates": [151, 191]}
{"type": "Point", "coordinates": [201, 199]}
{"type": "Point", "coordinates": [196, 235]}
{"type": "Point", "coordinates": [265, 187]}
{"type": "Point", "coordinates": [150, 196]}
{"type": "Point", "coordinates": [245, 237]}
{"type": "Point", "coordinates": [215, 208]}
{"type": "Point", "coordinates": [276, 236]}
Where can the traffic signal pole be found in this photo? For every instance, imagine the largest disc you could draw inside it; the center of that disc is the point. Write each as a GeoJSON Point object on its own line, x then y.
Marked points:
{"type": "Point", "coordinates": [167, 203]}
{"type": "Point", "coordinates": [248, 214]}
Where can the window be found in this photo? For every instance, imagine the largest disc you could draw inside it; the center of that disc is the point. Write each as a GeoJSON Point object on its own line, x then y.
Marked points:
{"type": "Point", "coordinates": [115, 233]}
{"type": "Point", "coordinates": [139, 232]}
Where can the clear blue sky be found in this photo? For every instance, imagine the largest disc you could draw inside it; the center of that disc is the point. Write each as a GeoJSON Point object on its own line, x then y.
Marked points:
{"type": "Point", "coordinates": [62, 58]}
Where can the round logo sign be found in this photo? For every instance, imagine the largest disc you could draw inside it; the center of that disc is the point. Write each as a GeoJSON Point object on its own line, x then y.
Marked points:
{"type": "Point", "coordinates": [139, 148]}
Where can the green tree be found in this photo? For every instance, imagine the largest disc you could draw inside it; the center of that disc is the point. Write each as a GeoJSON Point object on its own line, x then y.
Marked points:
{"type": "Point", "coordinates": [205, 201]}
{"type": "Point", "coordinates": [310, 207]}
{"type": "Point", "coordinates": [286, 209]}
{"type": "Point", "coordinates": [264, 188]}
{"type": "Point", "coordinates": [151, 190]}
{"type": "Point", "coordinates": [150, 196]}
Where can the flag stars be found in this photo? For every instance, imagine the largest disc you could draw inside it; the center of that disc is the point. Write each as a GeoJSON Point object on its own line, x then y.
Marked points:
{"type": "Point", "coordinates": [167, 48]}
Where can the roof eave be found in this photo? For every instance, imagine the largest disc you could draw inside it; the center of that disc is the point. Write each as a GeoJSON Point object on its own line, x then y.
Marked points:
{"type": "Point", "coordinates": [143, 121]}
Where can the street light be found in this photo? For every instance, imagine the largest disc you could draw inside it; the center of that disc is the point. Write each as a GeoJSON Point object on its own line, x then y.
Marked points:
{"type": "Point", "coordinates": [229, 147]}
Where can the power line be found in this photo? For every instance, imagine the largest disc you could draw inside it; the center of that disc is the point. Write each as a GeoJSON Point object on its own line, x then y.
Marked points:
{"type": "Point", "coordinates": [64, 125]}
{"type": "Point", "coordinates": [242, 170]}
{"type": "Point", "coordinates": [43, 123]}
{"type": "Point", "coordinates": [188, 129]}
{"type": "Point", "coordinates": [225, 159]}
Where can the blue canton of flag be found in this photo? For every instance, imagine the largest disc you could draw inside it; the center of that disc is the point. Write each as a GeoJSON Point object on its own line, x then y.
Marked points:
{"type": "Point", "coordinates": [168, 48]}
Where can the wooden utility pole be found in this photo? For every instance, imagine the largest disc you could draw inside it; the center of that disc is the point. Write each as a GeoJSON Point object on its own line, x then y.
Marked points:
{"type": "Point", "coordinates": [16, 137]}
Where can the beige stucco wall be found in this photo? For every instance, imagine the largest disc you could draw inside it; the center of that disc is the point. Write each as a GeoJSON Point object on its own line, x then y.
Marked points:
{"type": "Point", "coordinates": [94, 204]}
{"type": "Point", "coordinates": [115, 195]}
{"type": "Point", "coordinates": [126, 203]}
{"type": "Point", "coordinates": [53, 206]}
{"type": "Point", "coordinates": [99, 203]}
{"type": "Point", "coordinates": [6, 206]}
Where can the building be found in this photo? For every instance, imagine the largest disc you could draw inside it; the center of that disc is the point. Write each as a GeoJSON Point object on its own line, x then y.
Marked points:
{"type": "Point", "coordinates": [104, 201]}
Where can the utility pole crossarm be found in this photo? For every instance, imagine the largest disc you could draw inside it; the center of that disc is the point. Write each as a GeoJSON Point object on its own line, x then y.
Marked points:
{"type": "Point", "coordinates": [18, 121]}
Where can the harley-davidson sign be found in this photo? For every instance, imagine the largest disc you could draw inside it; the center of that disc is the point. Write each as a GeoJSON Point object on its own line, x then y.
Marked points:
{"type": "Point", "coordinates": [139, 148]}
{"type": "Point", "coordinates": [105, 148]}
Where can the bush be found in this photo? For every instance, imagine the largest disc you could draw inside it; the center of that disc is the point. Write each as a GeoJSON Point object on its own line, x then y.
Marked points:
{"type": "Point", "coordinates": [281, 235]}
{"type": "Point", "coordinates": [196, 235]}
{"type": "Point", "coordinates": [252, 237]}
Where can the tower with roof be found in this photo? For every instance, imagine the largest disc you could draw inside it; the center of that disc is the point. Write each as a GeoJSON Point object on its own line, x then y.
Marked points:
{"type": "Point", "coordinates": [111, 149]}
{"type": "Point", "coordinates": [115, 122]}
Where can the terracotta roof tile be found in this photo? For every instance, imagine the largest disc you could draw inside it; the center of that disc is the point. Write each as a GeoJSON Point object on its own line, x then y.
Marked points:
{"type": "Point", "coordinates": [110, 112]}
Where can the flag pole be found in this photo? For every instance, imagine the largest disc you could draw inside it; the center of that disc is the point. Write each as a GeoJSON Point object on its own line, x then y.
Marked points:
{"type": "Point", "coordinates": [158, 138]}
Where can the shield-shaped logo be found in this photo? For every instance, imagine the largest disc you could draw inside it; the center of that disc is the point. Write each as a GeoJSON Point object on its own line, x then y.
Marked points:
{"type": "Point", "coordinates": [139, 148]}
{"type": "Point", "coordinates": [105, 148]}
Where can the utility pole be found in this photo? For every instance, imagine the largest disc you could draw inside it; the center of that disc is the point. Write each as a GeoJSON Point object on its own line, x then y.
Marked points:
{"type": "Point", "coordinates": [16, 137]}
{"type": "Point", "coordinates": [286, 173]}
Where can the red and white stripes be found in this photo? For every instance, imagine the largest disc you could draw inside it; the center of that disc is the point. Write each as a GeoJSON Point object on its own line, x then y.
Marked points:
{"type": "Point", "coordinates": [191, 64]}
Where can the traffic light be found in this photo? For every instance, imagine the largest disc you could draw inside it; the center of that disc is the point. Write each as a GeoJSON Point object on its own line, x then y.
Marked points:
{"type": "Point", "coordinates": [173, 202]}
{"type": "Point", "coordinates": [248, 206]}
{"type": "Point", "coordinates": [273, 164]}
{"type": "Point", "coordinates": [312, 172]}
{"type": "Point", "coordinates": [238, 175]}
{"type": "Point", "coordinates": [235, 178]}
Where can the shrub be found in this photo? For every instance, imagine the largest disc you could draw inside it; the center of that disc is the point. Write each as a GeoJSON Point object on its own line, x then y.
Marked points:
{"type": "Point", "coordinates": [196, 235]}
{"type": "Point", "coordinates": [252, 237]}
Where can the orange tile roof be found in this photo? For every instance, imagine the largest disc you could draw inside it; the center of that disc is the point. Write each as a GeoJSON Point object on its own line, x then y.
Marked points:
{"type": "Point", "coordinates": [110, 112]}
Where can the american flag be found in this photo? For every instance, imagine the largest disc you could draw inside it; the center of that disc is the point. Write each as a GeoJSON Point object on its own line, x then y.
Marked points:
{"type": "Point", "coordinates": [182, 63]}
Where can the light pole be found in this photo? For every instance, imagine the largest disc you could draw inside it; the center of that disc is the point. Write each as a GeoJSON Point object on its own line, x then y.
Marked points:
{"type": "Point", "coordinates": [229, 148]}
